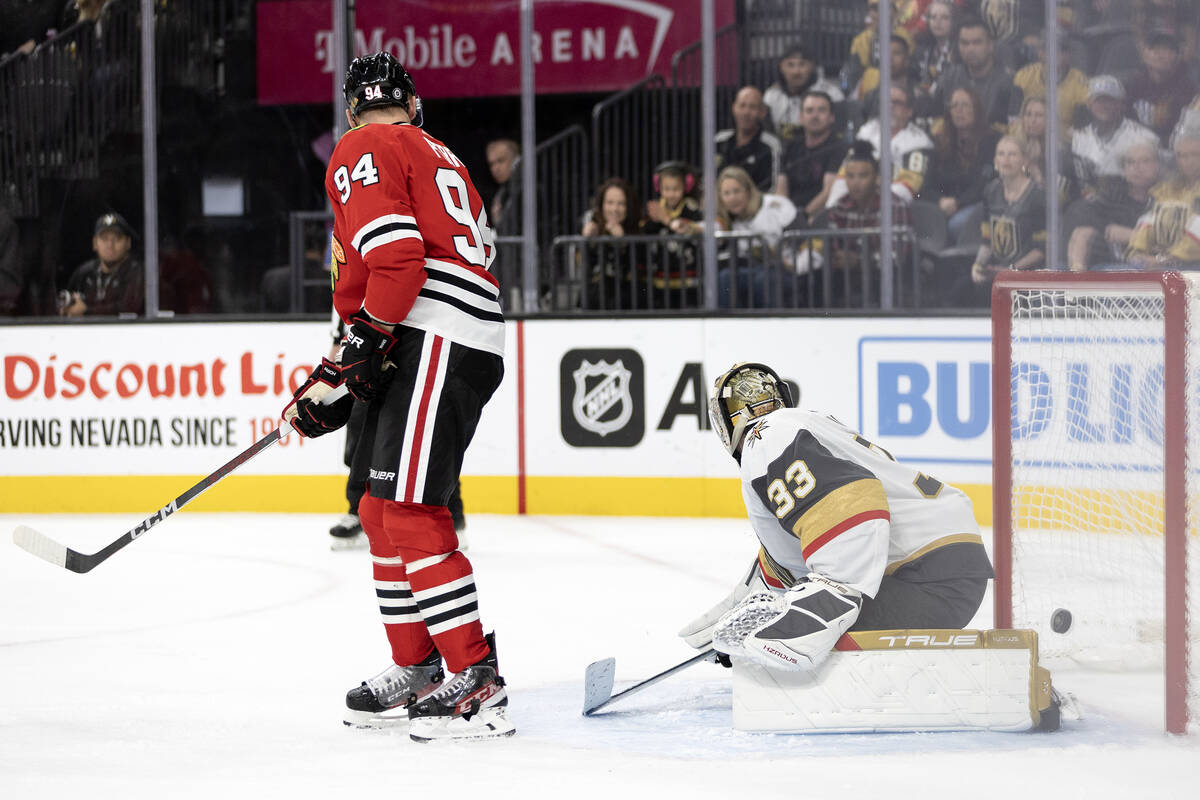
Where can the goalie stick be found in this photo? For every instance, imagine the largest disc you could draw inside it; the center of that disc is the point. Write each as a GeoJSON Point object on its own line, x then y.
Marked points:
{"type": "Point", "coordinates": [598, 680]}
{"type": "Point", "coordinates": [46, 548]}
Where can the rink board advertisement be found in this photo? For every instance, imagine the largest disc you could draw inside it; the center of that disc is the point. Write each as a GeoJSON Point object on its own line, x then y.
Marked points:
{"type": "Point", "coordinates": [125, 417]}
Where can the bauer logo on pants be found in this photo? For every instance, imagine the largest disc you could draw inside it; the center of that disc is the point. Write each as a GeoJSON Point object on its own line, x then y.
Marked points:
{"type": "Point", "coordinates": [602, 398]}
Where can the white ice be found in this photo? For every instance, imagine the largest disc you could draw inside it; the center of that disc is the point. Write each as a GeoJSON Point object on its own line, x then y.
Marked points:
{"type": "Point", "coordinates": [211, 657]}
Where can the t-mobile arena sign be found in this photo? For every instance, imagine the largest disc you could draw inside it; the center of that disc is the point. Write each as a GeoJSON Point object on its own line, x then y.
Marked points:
{"type": "Point", "coordinates": [468, 48]}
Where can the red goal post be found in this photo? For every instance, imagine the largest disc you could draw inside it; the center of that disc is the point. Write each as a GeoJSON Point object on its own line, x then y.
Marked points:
{"type": "Point", "coordinates": [1092, 427]}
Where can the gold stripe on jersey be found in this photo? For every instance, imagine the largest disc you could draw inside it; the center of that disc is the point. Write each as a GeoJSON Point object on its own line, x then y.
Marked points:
{"type": "Point", "coordinates": [958, 538]}
{"type": "Point", "coordinates": [838, 511]}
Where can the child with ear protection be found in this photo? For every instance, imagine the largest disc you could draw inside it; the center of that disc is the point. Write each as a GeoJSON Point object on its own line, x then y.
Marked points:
{"type": "Point", "coordinates": [674, 212]}
{"type": "Point", "coordinates": [675, 209]}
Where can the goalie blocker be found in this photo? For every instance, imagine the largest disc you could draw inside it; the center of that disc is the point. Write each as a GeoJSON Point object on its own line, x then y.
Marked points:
{"type": "Point", "coordinates": [904, 680]}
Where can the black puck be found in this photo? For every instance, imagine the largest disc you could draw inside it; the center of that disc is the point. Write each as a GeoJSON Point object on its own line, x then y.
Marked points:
{"type": "Point", "coordinates": [1060, 620]}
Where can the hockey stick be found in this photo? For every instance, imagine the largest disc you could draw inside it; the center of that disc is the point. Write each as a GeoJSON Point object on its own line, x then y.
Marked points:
{"type": "Point", "coordinates": [598, 680]}
{"type": "Point", "coordinates": [46, 548]}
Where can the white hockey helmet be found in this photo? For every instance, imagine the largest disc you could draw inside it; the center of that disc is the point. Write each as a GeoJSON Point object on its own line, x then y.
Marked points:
{"type": "Point", "coordinates": [744, 392]}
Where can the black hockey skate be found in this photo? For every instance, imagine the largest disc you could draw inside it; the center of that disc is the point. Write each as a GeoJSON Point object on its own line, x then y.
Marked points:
{"type": "Point", "coordinates": [383, 701]}
{"type": "Point", "coordinates": [347, 534]}
{"type": "Point", "coordinates": [471, 705]}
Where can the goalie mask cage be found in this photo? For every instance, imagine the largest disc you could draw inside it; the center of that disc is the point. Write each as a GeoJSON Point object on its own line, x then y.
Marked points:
{"type": "Point", "coordinates": [1096, 471]}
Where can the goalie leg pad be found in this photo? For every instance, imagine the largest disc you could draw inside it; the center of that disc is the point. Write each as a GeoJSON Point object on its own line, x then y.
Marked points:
{"type": "Point", "coordinates": [904, 680]}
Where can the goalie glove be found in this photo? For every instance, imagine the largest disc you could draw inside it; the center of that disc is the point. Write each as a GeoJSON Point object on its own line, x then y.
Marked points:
{"type": "Point", "coordinates": [364, 356]}
{"type": "Point", "coordinates": [307, 414]}
{"type": "Point", "coordinates": [795, 631]}
{"type": "Point", "coordinates": [699, 632]}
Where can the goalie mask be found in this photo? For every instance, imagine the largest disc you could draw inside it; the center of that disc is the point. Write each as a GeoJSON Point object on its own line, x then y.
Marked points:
{"type": "Point", "coordinates": [746, 391]}
{"type": "Point", "coordinates": [379, 80]}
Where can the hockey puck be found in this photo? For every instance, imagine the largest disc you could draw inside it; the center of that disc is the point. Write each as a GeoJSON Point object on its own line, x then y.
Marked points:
{"type": "Point", "coordinates": [1060, 620]}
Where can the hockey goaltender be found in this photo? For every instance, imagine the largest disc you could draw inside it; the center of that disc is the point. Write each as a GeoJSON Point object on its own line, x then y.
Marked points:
{"type": "Point", "coordinates": [851, 617]}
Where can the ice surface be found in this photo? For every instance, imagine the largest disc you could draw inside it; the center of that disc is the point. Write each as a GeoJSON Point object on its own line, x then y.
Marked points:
{"type": "Point", "coordinates": [210, 660]}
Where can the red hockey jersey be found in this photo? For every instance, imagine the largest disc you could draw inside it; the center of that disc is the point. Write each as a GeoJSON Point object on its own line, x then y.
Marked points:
{"type": "Point", "coordinates": [411, 241]}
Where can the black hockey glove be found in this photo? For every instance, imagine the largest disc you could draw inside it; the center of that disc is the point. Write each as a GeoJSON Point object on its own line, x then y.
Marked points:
{"type": "Point", "coordinates": [307, 414]}
{"type": "Point", "coordinates": [364, 356]}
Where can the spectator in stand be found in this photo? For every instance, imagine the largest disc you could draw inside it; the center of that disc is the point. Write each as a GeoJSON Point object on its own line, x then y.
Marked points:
{"type": "Point", "coordinates": [1168, 235]}
{"type": "Point", "coordinates": [1177, 16]}
{"type": "Point", "coordinates": [613, 267]}
{"type": "Point", "coordinates": [111, 283]}
{"type": "Point", "coordinates": [798, 74]}
{"type": "Point", "coordinates": [904, 75]}
{"type": "Point", "coordinates": [980, 72]}
{"type": "Point", "coordinates": [82, 11]}
{"type": "Point", "coordinates": [812, 158]}
{"type": "Point", "coordinates": [26, 24]}
{"type": "Point", "coordinates": [1162, 88]}
{"type": "Point", "coordinates": [1094, 147]}
{"type": "Point", "coordinates": [1014, 224]}
{"type": "Point", "coordinates": [1108, 220]}
{"type": "Point", "coordinates": [502, 157]}
{"type": "Point", "coordinates": [674, 212]}
{"type": "Point", "coordinates": [935, 46]}
{"type": "Point", "coordinates": [1030, 130]}
{"type": "Point", "coordinates": [747, 144]}
{"type": "Point", "coordinates": [910, 147]}
{"type": "Point", "coordinates": [1106, 29]}
{"type": "Point", "coordinates": [864, 48]}
{"type": "Point", "coordinates": [963, 155]}
{"type": "Point", "coordinates": [1014, 26]}
{"type": "Point", "coordinates": [1030, 82]}
{"type": "Point", "coordinates": [859, 208]}
{"type": "Point", "coordinates": [743, 208]}
{"type": "Point", "coordinates": [185, 286]}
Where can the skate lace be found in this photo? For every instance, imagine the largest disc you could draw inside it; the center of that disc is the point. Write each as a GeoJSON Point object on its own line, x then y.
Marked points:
{"type": "Point", "coordinates": [395, 680]}
{"type": "Point", "coordinates": [461, 684]}
{"type": "Point", "coordinates": [387, 681]}
{"type": "Point", "coordinates": [347, 521]}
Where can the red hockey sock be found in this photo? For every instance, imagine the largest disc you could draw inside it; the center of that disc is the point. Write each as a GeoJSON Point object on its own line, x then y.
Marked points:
{"type": "Point", "coordinates": [406, 630]}
{"type": "Point", "coordinates": [441, 579]}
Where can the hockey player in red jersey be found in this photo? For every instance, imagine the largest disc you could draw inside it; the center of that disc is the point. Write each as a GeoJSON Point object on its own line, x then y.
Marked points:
{"type": "Point", "coordinates": [850, 538]}
{"type": "Point", "coordinates": [424, 348]}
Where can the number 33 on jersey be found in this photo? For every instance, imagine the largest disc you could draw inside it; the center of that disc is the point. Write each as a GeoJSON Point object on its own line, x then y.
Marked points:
{"type": "Point", "coordinates": [411, 237]}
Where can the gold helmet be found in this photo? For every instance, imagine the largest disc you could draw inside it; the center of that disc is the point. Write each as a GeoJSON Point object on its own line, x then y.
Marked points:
{"type": "Point", "coordinates": [745, 391]}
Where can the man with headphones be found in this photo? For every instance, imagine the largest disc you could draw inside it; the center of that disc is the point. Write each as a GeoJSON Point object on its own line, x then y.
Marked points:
{"type": "Point", "coordinates": [424, 350]}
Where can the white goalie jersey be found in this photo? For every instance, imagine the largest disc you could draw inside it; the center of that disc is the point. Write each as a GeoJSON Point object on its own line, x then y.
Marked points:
{"type": "Point", "coordinates": [822, 498]}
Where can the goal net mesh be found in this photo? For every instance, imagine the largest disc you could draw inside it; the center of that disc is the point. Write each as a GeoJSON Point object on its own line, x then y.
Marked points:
{"type": "Point", "coordinates": [1087, 465]}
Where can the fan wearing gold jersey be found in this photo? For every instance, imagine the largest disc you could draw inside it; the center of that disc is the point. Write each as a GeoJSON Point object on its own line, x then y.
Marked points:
{"type": "Point", "coordinates": [1168, 235]}
{"type": "Point", "coordinates": [850, 538]}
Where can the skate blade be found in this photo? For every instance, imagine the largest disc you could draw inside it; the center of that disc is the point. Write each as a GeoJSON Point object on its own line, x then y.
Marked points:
{"type": "Point", "coordinates": [394, 719]}
{"type": "Point", "coordinates": [490, 723]}
{"type": "Point", "coordinates": [355, 542]}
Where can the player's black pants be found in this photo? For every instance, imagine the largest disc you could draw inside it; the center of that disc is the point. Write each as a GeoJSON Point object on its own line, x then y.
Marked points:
{"type": "Point", "coordinates": [415, 434]}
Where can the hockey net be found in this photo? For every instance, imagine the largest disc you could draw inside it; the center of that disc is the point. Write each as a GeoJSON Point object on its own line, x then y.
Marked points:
{"type": "Point", "coordinates": [1096, 454]}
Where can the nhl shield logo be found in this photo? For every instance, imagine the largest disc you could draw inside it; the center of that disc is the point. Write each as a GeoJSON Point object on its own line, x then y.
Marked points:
{"type": "Point", "coordinates": [601, 393]}
{"type": "Point", "coordinates": [594, 401]}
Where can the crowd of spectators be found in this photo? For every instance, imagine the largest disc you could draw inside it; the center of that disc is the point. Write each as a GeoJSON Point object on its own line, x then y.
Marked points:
{"type": "Point", "coordinates": [969, 139]}
{"type": "Point", "coordinates": [798, 163]}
